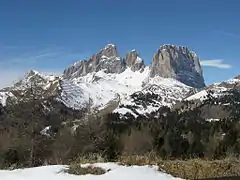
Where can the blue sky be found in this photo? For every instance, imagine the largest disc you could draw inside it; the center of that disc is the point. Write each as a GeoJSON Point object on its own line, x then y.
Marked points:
{"type": "Point", "coordinates": [50, 35]}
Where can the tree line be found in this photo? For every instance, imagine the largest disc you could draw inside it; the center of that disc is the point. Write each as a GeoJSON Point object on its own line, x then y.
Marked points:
{"type": "Point", "coordinates": [169, 133]}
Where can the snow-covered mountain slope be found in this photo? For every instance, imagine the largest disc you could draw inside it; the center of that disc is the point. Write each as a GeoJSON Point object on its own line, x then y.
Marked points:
{"type": "Point", "coordinates": [98, 88]}
{"type": "Point", "coordinates": [113, 171]}
{"type": "Point", "coordinates": [128, 88]}
{"type": "Point", "coordinates": [216, 89]}
{"type": "Point", "coordinates": [128, 82]}
{"type": "Point", "coordinates": [35, 78]}
{"type": "Point", "coordinates": [33, 84]}
{"type": "Point", "coordinates": [156, 93]}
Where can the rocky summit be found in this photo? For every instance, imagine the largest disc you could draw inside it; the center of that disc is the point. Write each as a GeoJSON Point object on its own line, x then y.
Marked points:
{"type": "Point", "coordinates": [134, 61]}
{"type": "Point", "coordinates": [179, 63]}
{"type": "Point", "coordinates": [107, 59]}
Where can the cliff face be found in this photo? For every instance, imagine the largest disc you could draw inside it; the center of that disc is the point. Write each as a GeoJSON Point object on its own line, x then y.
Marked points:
{"type": "Point", "coordinates": [179, 63]}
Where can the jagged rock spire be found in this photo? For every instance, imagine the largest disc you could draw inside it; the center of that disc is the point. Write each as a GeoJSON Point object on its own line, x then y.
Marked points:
{"type": "Point", "coordinates": [178, 62]}
{"type": "Point", "coordinates": [133, 61]}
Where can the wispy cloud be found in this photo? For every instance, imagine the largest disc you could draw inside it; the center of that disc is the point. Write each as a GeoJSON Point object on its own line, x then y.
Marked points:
{"type": "Point", "coordinates": [47, 56]}
{"type": "Point", "coordinates": [30, 57]}
{"type": "Point", "coordinates": [217, 63]}
{"type": "Point", "coordinates": [227, 33]}
{"type": "Point", "coordinates": [230, 34]}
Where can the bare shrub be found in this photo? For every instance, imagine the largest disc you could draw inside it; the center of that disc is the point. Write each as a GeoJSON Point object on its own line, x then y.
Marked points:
{"type": "Point", "coordinates": [77, 169]}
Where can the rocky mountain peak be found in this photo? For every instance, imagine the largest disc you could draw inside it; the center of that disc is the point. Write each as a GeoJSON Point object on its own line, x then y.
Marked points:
{"type": "Point", "coordinates": [31, 73]}
{"type": "Point", "coordinates": [32, 84]}
{"type": "Point", "coordinates": [237, 77]}
{"type": "Point", "coordinates": [110, 50]}
{"type": "Point", "coordinates": [178, 62]}
{"type": "Point", "coordinates": [106, 59]}
{"type": "Point", "coordinates": [134, 61]}
{"type": "Point", "coordinates": [181, 49]}
{"type": "Point", "coordinates": [36, 78]}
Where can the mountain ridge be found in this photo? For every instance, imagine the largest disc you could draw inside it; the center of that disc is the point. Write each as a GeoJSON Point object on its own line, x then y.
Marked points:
{"type": "Point", "coordinates": [106, 79]}
{"type": "Point", "coordinates": [170, 61]}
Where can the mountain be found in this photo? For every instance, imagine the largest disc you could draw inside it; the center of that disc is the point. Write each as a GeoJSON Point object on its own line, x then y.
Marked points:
{"type": "Point", "coordinates": [158, 92]}
{"type": "Point", "coordinates": [107, 59]}
{"type": "Point", "coordinates": [33, 85]}
{"type": "Point", "coordinates": [179, 63]}
{"type": "Point", "coordinates": [215, 101]}
{"type": "Point", "coordinates": [216, 89]}
{"type": "Point", "coordinates": [169, 61]}
{"type": "Point", "coordinates": [123, 84]}
{"type": "Point", "coordinates": [106, 77]}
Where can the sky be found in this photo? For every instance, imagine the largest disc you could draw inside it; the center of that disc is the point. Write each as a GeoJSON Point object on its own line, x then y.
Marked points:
{"type": "Point", "coordinates": [50, 35]}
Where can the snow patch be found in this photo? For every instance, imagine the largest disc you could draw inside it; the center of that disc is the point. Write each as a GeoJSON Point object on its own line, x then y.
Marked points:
{"type": "Point", "coordinates": [200, 95]}
{"type": "Point", "coordinates": [124, 111]}
{"type": "Point", "coordinates": [109, 46]}
{"type": "Point", "coordinates": [4, 96]}
{"type": "Point", "coordinates": [45, 131]}
{"type": "Point", "coordinates": [139, 60]}
{"type": "Point", "coordinates": [212, 120]}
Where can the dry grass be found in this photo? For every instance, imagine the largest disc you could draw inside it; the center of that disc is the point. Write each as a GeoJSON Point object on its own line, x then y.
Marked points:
{"type": "Point", "coordinates": [149, 159]}
{"type": "Point", "coordinates": [77, 169]}
{"type": "Point", "coordinates": [88, 159]}
{"type": "Point", "coordinates": [188, 169]}
{"type": "Point", "coordinates": [200, 169]}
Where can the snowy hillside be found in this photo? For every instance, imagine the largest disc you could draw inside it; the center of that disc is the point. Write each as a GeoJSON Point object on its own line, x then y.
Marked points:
{"type": "Point", "coordinates": [97, 89]}
{"type": "Point", "coordinates": [217, 89]}
{"type": "Point", "coordinates": [115, 172]}
{"type": "Point", "coordinates": [156, 92]}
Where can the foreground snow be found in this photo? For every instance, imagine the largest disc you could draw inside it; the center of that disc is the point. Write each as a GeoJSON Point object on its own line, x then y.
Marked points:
{"type": "Point", "coordinates": [116, 172]}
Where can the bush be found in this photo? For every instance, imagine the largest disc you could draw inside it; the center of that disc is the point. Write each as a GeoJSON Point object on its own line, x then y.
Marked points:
{"type": "Point", "coordinates": [77, 169]}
